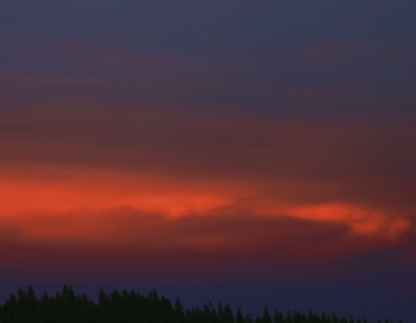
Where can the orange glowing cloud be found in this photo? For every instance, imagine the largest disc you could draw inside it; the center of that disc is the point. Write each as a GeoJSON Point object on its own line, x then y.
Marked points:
{"type": "Point", "coordinates": [155, 189]}
{"type": "Point", "coordinates": [52, 190]}
{"type": "Point", "coordinates": [134, 243]}
{"type": "Point", "coordinates": [103, 207]}
{"type": "Point", "coordinates": [361, 220]}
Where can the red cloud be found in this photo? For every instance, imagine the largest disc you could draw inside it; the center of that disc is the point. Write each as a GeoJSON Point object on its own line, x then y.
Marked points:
{"type": "Point", "coordinates": [194, 193]}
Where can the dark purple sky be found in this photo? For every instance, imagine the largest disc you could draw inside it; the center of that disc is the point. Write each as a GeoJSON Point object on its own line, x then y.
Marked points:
{"type": "Point", "coordinates": [246, 152]}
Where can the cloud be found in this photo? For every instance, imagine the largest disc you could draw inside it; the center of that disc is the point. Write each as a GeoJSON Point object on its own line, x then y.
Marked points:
{"type": "Point", "coordinates": [196, 190]}
{"type": "Point", "coordinates": [227, 240]}
{"type": "Point", "coordinates": [352, 172]}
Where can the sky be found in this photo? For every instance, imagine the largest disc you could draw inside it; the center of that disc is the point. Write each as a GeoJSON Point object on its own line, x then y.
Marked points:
{"type": "Point", "coordinates": [243, 152]}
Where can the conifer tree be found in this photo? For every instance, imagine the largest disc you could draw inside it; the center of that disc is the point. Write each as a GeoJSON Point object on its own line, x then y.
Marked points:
{"type": "Point", "coordinates": [228, 314]}
{"type": "Point", "coordinates": [248, 318]}
{"type": "Point", "coordinates": [278, 316]}
{"type": "Point", "coordinates": [239, 318]}
{"type": "Point", "coordinates": [131, 307]}
{"type": "Point", "coordinates": [266, 315]}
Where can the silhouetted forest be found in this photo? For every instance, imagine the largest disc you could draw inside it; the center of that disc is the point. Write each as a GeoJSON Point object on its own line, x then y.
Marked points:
{"type": "Point", "coordinates": [132, 307]}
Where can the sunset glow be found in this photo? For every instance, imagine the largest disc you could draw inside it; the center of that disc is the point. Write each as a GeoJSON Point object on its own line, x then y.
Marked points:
{"type": "Point", "coordinates": [244, 145]}
{"type": "Point", "coordinates": [70, 204]}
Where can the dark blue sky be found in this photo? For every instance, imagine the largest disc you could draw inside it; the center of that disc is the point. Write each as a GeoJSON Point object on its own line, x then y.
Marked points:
{"type": "Point", "coordinates": [293, 56]}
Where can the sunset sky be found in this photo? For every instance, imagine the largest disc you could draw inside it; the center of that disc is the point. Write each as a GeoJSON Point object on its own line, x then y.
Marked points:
{"type": "Point", "coordinates": [247, 152]}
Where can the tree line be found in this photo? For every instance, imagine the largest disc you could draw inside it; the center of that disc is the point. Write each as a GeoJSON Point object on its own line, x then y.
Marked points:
{"type": "Point", "coordinates": [132, 307]}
